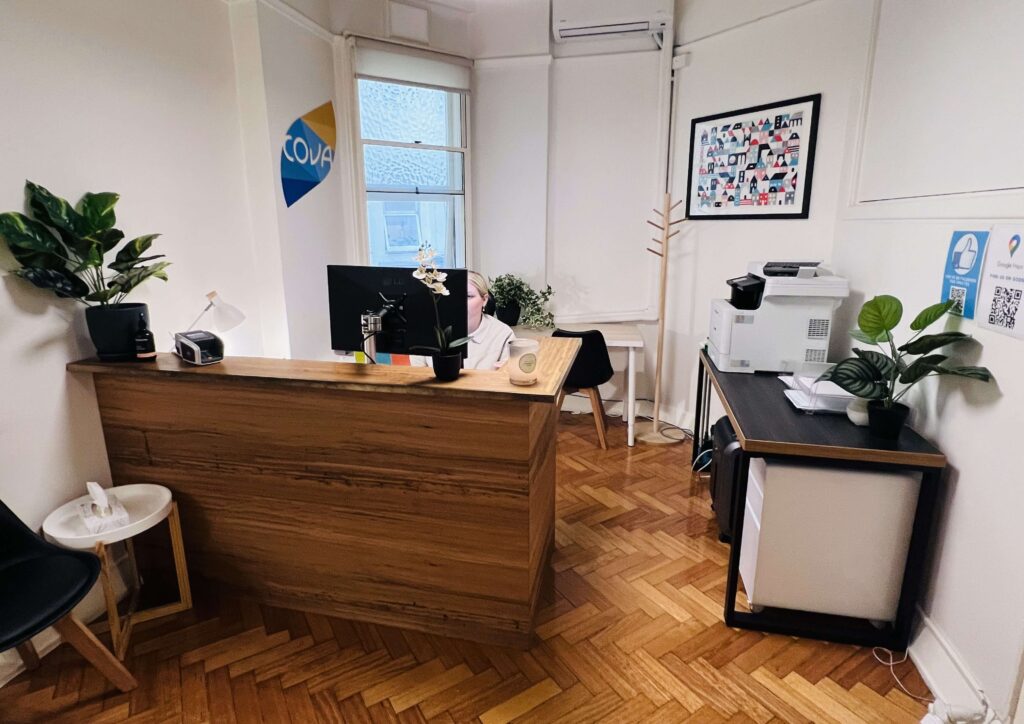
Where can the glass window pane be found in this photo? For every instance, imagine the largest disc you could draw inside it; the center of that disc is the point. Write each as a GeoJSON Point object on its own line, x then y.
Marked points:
{"type": "Point", "coordinates": [400, 223]}
{"type": "Point", "coordinates": [399, 168]}
{"type": "Point", "coordinates": [409, 114]}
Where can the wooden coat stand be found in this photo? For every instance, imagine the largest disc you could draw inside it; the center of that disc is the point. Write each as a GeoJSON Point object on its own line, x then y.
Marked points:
{"type": "Point", "coordinates": [665, 227]}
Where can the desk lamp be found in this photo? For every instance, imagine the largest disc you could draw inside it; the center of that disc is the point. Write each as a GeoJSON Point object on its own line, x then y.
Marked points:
{"type": "Point", "coordinates": [225, 316]}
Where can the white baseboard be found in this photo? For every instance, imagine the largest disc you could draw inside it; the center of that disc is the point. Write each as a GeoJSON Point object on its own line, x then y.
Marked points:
{"type": "Point", "coordinates": [943, 668]}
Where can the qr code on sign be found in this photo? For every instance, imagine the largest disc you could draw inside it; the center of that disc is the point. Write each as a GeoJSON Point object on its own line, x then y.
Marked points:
{"type": "Point", "coordinates": [1005, 304]}
{"type": "Point", "coordinates": [958, 295]}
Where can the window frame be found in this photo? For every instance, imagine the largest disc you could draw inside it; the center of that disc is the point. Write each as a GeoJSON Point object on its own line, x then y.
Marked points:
{"type": "Point", "coordinates": [463, 258]}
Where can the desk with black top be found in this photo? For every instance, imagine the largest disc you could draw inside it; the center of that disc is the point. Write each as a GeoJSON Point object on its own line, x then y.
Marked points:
{"type": "Point", "coordinates": [768, 426]}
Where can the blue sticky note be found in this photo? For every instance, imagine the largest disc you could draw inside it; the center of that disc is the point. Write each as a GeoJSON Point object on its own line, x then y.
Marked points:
{"type": "Point", "coordinates": [964, 261]}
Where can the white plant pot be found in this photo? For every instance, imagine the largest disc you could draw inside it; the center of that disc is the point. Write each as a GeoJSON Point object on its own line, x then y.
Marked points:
{"type": "Point", "coordinates": [857, 411]}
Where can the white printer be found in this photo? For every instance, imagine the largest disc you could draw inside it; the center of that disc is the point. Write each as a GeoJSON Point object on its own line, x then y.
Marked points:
{"type": "Point", "coordinates": [778, 318]}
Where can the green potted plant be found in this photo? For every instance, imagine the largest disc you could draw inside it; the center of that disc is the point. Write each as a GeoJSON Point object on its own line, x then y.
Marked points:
{"type": "Point", "coordinates": [446, 357]}
{"type": "Point", "coordinates": [63, 248]}
{"type": "Point", "coordinates": [885, 375]}
{"type": "Point", "coordinates": [516, 301]}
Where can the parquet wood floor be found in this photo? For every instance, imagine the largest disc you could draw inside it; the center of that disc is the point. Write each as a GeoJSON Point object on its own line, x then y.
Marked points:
{"type": "Point", "coordinates": [633, 633]}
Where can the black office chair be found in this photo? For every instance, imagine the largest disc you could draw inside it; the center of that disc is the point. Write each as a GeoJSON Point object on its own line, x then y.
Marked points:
{"type": "Point", "coordinates": [591, 368]}
{"type": "Point", "coordinates": [39, 585]}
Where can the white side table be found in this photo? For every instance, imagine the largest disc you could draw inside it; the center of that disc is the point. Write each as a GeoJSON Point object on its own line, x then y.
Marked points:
{"type": "Point", "coordinates": [147, 505]}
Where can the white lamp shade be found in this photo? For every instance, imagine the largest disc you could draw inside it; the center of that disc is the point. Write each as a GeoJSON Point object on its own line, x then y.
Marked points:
{"type": "Point", "coordinates": [225, 316]}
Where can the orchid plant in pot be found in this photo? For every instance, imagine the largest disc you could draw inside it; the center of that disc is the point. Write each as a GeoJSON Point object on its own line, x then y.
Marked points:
{"type": "Point", "coordinates": [447, 355]}
{"type": "Point", "coordinates": [885, 375]}
{"type": "Point", "coordinates": [64, 248]}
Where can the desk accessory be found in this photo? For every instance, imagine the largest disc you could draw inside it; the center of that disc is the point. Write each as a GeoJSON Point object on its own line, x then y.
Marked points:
{"type": "Point", "coordinates": [522, 361]}
{"type": "Point", "coordinates": [447, 355]}
{"type": "Point", "coordinates": [145, 345]}
{"type": "Point", "coordinates": [102, 511]}
{"type": "Point", "coordinates": [65, 249]}
{"type": "Point", "coordinates": [665, 227]}
{"type": "Point", "coordinates": [199, 347]}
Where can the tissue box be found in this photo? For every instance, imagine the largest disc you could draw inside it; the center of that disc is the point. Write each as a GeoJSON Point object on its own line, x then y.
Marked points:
{"type": "Point", "coordinates": [95, 522]}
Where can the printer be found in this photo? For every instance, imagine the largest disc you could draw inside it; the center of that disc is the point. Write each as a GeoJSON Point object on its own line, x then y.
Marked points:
{"type": "Point", "coordinates": [778, 318]}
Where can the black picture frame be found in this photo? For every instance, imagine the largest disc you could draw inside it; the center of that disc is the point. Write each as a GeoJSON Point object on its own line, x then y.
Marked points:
{"type": "Point", "coordinates": [776, 184]}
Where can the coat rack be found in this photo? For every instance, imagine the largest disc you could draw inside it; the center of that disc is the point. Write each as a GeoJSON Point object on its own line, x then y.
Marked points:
{"type": "Point", "coordinates": [664, 224]}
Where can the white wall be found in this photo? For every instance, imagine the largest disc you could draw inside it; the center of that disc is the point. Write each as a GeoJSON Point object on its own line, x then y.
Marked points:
{"type": "Point", "coordinates": [510, 166]}
{"type": "Point", "coordinates": [137, 98]}
{"type": "Point", "coordinates": [829, 59]}
{"type": "Point", "coordinates": [509, 28]}
{"type": "Point", "coordinates": [899, 247]}
{"type": "Point", "coordinates": [298, 74]}
{"type": "Point", "coordinates": [975, 633]}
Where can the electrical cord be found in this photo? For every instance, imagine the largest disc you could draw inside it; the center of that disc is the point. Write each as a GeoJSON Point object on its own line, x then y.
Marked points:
{"type": "Point", "coordinates": [891, 663]}
{"type": "Point", "coordinates": [697, 460]}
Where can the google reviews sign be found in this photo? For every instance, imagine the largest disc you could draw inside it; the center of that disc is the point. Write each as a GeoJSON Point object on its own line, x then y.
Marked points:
{"type": "Point", "coordinates": [308, 152]}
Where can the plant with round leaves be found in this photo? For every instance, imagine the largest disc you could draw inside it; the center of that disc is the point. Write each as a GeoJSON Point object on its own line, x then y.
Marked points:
{"type": "Point", "coordinates": [888, 373]}
{"type": "Point", "coordinates": [63, 248]}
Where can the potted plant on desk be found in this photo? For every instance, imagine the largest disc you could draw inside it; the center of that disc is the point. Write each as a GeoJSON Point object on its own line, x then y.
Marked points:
{"type": "Point", "coordinates": [885, 375]}
{"type": "Point", "coordinates": [63, 249]}
{"type": "Point", "coordinates": [447, 355]}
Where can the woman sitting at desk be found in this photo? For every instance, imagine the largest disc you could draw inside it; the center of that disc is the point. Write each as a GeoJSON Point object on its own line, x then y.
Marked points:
{"type": "Point", "coordinates": [487, 348]}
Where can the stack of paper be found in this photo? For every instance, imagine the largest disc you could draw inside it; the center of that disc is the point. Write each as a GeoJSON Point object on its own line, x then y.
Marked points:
{"type": "Point", "coordinates": [811, 396]}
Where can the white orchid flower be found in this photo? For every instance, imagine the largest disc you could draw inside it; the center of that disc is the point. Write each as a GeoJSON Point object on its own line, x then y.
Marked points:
{"type": "Point", "coordinates": [440, 276]}
{"type": "Point", "coordinates": [439, 288]}
{"type": "Point", "coordinates": [420, 274]}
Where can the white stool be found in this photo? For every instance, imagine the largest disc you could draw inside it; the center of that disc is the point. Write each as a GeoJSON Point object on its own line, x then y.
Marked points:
{"type": "Point", "coordinates": [147, 505]}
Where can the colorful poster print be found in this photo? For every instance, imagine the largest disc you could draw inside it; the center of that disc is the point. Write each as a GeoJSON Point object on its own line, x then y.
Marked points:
{"type": "Point", "coordinates": [753, 163]}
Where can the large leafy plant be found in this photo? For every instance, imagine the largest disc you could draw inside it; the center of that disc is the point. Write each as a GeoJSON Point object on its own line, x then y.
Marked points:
{"type": "Point", "coordinates": [64, 247]}
{"type": "Point", "coordinates": [509, 288]}
{"type": "Point", "coordinates": [888, 372]}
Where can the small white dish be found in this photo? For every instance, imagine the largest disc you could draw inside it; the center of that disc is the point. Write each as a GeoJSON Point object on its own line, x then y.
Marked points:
{"type": "Point", "coordinates": [802, 401]}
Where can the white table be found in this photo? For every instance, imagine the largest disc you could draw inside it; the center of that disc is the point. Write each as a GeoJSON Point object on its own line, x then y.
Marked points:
{"type": "Point", "coordinates": [617, 336]}
{"type": "Point", "coordinates": [146, 505]}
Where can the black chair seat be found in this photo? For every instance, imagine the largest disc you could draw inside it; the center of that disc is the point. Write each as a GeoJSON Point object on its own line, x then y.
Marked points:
{"type": "Point", "coordinates": [37, 592]}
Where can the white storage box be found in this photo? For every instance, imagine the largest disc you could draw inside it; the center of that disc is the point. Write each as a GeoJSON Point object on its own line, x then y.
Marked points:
{"type": "Point", "coordinates": [825, 539]}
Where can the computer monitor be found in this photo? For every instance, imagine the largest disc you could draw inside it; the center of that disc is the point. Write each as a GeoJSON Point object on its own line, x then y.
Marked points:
{"type": "Point", "coordinates": [355, 290]}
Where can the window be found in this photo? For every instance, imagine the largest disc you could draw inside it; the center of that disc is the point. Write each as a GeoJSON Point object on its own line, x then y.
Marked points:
{"type": "Point", "coordinates": [414, 158]}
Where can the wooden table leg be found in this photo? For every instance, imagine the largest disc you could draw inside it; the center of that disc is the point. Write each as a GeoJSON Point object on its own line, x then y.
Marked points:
{"type": "Point", "coordinates": [29, 656]}
{"type": "Point", "coordinates": [113, 619]}
{"type": "Point", "coordinates": [84, 642]}
{"type": "Point", "coordinates": [180, 568]}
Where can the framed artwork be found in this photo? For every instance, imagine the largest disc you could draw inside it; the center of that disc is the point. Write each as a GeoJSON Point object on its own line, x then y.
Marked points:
{"type": "Point", "coordinates": [402, 231]}
{"type": "Point", "coordinates": [754, 163]}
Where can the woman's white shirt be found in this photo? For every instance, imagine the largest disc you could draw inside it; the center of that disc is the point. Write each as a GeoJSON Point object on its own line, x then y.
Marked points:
{"type": "Point", "coordinates": [488, 345]}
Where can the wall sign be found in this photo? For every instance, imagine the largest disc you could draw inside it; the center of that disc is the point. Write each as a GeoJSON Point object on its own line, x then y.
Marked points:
{"type": "Point", "coordinates": [963, 268]}
{"type": "Point", "coordinates": [754, 163]}
{"type": "Point", "coordinates": [308, 152]}
{"type": "Point", "coordinates": [1002, 283]}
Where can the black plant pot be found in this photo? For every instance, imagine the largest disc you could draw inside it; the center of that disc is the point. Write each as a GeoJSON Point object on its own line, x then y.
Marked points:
{"type": "Point", "coordinates": [112, 329]}
{"type": "Point", "coordinates": [886, 422]}
{"type": "Point", "coordinates": [447, 366]}
{"type": "Point", "coordinates": [508, 314]}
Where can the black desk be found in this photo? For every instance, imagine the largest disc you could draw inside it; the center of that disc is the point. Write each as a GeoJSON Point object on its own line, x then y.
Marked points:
{"type": "Point", "coordinates": [768, 426]}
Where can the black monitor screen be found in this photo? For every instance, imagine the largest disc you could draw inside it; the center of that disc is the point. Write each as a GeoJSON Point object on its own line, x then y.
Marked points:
{"type": "Point", "coordinates": [355, 290]}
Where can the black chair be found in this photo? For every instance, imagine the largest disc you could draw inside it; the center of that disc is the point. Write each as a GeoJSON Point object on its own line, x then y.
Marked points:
{"type": "Point", "coordinates": [591, 368]}
{"type": "Point", "coordinates": [39, 585]}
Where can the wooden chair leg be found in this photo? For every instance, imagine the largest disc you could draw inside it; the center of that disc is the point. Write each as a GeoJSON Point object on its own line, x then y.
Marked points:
{"type": "Point", "coordinates": [84, 642]}
{"type": "Point", "coordinates": [27, 652]}
{"type": "Point", "coordinates": [599, 421]}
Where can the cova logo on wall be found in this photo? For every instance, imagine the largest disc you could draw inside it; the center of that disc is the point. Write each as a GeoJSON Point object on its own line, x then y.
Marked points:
{"type": "Point", "coordinates": [308, 152]}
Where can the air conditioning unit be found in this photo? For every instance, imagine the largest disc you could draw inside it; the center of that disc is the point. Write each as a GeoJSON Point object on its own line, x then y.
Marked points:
{"type": "Point", "coordinates": [600, 19]}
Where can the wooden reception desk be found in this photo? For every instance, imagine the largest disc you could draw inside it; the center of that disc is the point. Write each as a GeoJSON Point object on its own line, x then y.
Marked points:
{"type": "Point", "coordinates": [367, 492]}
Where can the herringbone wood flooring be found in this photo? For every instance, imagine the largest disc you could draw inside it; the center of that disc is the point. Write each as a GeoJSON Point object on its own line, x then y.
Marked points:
{"type": "Point", "coordinates": [634, 633]}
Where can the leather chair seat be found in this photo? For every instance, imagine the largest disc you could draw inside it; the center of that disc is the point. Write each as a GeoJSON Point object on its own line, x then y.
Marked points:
{"type": "Point", "coordinates": [37, 591]}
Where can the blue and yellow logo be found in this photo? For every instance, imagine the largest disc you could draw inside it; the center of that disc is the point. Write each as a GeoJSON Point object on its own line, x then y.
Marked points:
{"type": "Point", "coordinates": [308, 152]}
